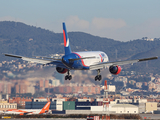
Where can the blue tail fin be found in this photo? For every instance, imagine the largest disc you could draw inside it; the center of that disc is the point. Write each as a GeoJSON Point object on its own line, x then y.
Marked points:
{"type": "Point", "coordinates": [66, 40]}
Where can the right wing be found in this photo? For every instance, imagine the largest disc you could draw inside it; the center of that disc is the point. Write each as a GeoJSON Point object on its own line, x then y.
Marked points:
{"type": "Point", "coordinates": [36, 60]}
{"type": "Point", "coordinates": [105, 64]}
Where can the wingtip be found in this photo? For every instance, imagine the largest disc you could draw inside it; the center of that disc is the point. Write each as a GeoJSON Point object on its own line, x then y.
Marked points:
{"type": "Point", "coordinates": [152, 58]}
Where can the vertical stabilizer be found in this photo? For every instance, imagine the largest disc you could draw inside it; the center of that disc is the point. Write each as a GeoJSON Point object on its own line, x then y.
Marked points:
{"type": "Point", "coordinates": [66, 40]}
{"type": "Point", "coordinates": [45, 108]}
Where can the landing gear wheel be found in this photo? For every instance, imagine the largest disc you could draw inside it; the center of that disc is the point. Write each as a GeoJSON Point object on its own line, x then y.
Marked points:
{"type": "Point", "coordinates": [98, 77]}
{"type": "Point", "coordinates": [68, 77]}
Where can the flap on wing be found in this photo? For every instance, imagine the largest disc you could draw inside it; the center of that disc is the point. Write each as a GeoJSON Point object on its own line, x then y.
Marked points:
{"type": "Point", "coordinates": [47, 58]}
{"type": "Point", "coordinates": [105, 64]}
{"type": "Point", "coordinates": [41, 61]}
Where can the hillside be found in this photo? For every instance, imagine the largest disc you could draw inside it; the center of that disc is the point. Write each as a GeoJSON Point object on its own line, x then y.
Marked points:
{"type": "Point", "coordinates": [21, 39]}
{"type": "Point", "coordinates": [150, 66]}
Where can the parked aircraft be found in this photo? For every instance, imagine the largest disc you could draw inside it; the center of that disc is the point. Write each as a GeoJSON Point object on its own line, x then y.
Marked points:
{"type": "Point", "coordinates": [87, 60]}
{"type": "Point", "coordinates": [44, 110]}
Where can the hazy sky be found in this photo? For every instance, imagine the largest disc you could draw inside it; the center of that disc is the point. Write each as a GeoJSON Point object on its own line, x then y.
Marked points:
{"type": "Point", "coordinates": [117, 19]}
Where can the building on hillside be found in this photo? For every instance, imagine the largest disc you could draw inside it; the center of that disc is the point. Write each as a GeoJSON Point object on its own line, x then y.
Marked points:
{"type": "Point", "coordinates": [139, 84]}
{"type": "Point", "coordinates": [4, 106]}
{"type": "Point", "coordinates": [54, 82]}
{"type": "Point", "coordinates": [41, 99]}
{"type": "Point", "coordinates": [4, 96]}
{"type": "Point", "coordinates": [111, 88]}
{"type": "Point", "coordinates": [77, 89]}
{"type": "Point", "coordinates": [5, 87]}
{"type": "Point", "coordinates": [151, 85]}
{"type": "Point", "coordinates": [31, 89]}
{"type": "Point", "coordinates": [132, 82]}
{"type": "Point", "coordinates": [151, 106]}
{"type": "Point", "coordinates": [21, 88]}
{"type": "Point", "coordinates": [20, 101]}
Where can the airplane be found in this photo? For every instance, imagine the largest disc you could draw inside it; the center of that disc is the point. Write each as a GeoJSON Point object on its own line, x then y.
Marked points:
{"type": "Point", "coordinates": [85, 60]}
{"type": "Point", "coordinates": [44, 110]}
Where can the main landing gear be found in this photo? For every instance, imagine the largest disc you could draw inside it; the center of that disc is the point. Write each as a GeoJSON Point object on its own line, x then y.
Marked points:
{"type": "Point", "coordinates": [68, 76]}
{"type": "Point", "coordinates": [98, 77]}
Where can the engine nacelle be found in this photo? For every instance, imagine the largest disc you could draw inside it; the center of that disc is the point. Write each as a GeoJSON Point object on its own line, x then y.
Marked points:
{"type": "Point", "coordinates": [115, 69]}
{"type": "Point", "coordinates": [61, 70]}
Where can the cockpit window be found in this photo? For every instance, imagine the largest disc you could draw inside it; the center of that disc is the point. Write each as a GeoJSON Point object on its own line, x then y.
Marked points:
{"type": "Point", "coordinates": [103, 55]}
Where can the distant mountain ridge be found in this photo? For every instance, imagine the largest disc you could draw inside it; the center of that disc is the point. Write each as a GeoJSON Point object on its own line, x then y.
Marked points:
{"type": "Point", "coordinates": [21, 39]}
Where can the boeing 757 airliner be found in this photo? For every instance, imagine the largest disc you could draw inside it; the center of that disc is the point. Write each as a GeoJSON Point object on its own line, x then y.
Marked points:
{"type": "Point", "coordinates": [87, 60]}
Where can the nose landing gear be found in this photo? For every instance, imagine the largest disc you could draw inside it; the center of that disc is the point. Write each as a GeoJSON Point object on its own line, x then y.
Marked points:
{"type": "Point", "coordinates": [98, 77]}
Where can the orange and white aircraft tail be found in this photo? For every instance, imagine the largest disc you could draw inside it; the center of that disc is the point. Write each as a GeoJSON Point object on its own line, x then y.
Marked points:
{"type": "Point", "coordinates": [45, 109]}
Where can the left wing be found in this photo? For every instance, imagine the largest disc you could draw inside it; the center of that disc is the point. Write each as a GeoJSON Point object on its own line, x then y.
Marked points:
{"type": "Point", "coordinates": [41, 61]}
{"type": "Point", "coordinates": [105, 64]}
{"type": "Point", "coordinates": [36, 60]}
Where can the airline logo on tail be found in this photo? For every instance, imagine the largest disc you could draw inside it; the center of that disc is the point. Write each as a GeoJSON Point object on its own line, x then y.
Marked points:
{"type": "Point", "coordinates": [66, 40]}
{"type": "Point", "coordinates": [45, 108]}
{"type": "Point", "coordinates": [65, 36]}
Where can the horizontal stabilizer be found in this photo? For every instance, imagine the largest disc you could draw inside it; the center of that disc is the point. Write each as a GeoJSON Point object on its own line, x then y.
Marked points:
{"type": "Point", "coordinates": [47, 58]}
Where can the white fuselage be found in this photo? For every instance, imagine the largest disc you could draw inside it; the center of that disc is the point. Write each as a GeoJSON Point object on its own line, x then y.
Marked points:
{"type": "Point", "coordinates": [19, 111]}
{"type": "Point", "coordinates": [98, 57]}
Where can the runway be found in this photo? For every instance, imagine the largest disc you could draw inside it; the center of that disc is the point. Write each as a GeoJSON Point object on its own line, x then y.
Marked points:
{"type": "Point", "coordinates": [59, 119]}
{"type": "Point", "coordinates": [143, 116]}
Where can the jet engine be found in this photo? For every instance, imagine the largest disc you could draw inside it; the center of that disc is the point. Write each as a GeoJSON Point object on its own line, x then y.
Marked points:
{"type": "Point", "coordinates": [61, 70]}
{"type": "Point", "coordinates": [115, 69]}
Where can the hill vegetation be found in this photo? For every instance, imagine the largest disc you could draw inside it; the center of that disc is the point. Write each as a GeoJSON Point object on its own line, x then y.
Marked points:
{"type": "Point", "coordinates": [21, 39]}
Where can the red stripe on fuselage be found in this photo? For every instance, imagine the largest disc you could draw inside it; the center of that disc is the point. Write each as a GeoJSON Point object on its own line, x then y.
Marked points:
{"type": "Point", "coordinates": [81, 60]}
{"type": "Point", "coordinates": [64, 36]}
{"type": "Point", "coordinates": [101, 57]}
